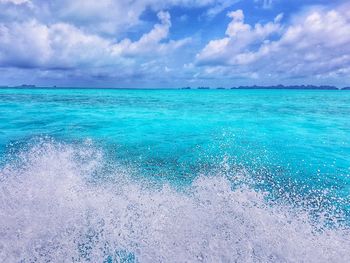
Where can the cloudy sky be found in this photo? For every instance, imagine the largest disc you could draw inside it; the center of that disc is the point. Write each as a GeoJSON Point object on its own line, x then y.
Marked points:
{"type": "Point", "coordinates": [174, 43]}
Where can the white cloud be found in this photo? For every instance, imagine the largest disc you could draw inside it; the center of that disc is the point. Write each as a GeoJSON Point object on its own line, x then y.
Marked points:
{"type": "Point", "coordinates": [31, 44]}
{"type": "Point", "coordinates": [239, 37]}
{"type": "Point", "coordinates": [92, 36]}
{"type": "Point", "coordinates": [220, 6]}
{"type": "Point", "coordinates": [315, 43]}
{"type": "Point", "coordinates": [151, 41]}
{"type": "Point", "coordinates": [24, 44]}
{"type": "Point", "coordinates": [61, 45]}
{"type": "Point", "coordinates": [16, 2]}
{"type": "Point", "coordinates": [104, 16]}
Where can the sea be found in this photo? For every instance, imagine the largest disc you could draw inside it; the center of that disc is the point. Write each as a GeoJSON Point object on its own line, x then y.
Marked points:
{"type": "Point", "coordinates": [113, 175]}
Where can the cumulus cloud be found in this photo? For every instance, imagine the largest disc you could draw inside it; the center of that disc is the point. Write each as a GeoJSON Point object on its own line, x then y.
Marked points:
{"type": "Point", "coordinates": [61, 45]}
{"type": "Point", "coordinates": [220, 6]}
{"type": "Point", "coordinates": [31, 44]}
{"type": "Point", "coordinates": [134, 38]}
{"type": "Point", "coordinates": [151, 41]}
{"type": "Point", "coordinates": [15, 2]}
{"type": "Point", "coordinates": [96, 38]}
{"type": "Point", "coordinates": [103, 16]}
{"type": "Point", "coordinates": [314, 43]}
{"type": "Point", "coordinates": [232, 49]}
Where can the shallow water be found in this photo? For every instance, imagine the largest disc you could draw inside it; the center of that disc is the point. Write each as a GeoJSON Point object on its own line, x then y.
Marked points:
{"type": "Point", "coordinates": [174, 176]}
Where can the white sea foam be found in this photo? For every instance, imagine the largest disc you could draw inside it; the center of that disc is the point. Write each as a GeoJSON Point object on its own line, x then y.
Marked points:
{"type": "Point", "coordinates": [51, 211]}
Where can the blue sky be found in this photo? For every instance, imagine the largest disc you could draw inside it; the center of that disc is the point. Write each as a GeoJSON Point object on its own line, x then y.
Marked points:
{"type": "Point", "coordinates": [174, 43]}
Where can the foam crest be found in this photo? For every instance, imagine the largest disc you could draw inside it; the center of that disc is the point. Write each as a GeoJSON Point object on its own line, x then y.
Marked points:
{"type": "Point", "coordinates": [52, 211]}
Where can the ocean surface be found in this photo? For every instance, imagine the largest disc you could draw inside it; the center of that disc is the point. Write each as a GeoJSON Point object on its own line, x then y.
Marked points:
{"type": "Point", "coordinates": [174, 175]}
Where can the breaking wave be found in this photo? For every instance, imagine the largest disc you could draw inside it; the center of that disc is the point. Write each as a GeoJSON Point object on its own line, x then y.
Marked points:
{"type": "Point", "coordinates": [68, 203]}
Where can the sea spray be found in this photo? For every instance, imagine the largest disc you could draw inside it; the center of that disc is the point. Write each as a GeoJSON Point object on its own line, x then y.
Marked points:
{"type": "Point", "coordinates": [54, 210]}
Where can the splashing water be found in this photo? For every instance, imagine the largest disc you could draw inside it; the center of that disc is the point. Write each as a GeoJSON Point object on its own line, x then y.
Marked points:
{"type": "Point", "coordinates": [53, 210]}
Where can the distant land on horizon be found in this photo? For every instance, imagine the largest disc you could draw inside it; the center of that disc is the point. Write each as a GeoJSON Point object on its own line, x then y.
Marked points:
{"type": "Point", "coordinates": [293, 87]}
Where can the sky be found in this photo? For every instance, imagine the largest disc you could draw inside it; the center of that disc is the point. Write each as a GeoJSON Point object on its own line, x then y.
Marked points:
{"type": "Point", "coordinates": [174, 43]}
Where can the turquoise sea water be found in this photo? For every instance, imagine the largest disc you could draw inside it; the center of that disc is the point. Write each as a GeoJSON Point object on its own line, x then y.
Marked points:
{"type": "Point", "coordinates": [174, 175]}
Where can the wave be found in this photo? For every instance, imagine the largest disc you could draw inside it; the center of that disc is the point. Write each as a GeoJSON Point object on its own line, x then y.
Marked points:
{"type": "Point", "coordinates": [64, 203]}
